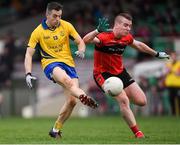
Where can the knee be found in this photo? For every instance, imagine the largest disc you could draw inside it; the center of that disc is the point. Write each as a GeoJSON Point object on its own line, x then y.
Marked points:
{"type": "Point", "coordinates": [142, 102]}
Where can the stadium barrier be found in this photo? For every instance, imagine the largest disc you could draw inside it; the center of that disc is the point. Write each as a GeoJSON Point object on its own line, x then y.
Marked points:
{"type": "Point", "coordinates": [18, 96]}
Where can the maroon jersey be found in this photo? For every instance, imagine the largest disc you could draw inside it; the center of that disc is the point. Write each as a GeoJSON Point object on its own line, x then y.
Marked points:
{"type": "Point", "coordinates": [108, 53]}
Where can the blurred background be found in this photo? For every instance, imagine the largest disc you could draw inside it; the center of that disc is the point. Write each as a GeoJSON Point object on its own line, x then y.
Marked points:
{"type": "Point", "coordinates": [157, 23]}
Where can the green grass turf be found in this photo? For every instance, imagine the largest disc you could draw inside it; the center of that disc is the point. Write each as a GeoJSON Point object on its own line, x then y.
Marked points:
{"type": "Point", "coordinates": [93, 130]}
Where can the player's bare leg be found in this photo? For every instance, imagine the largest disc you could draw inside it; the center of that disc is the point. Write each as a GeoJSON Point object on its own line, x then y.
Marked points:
{"type": "Point", "coordinates": [64, 113]}
{"type": "Point", "coordinates": [71, 88]}
{"type": "Point", "coordinates": [68, 106]}
{"type": "Point", "coordinates": [127, 114]}
{"type": "Point", "coordinates": [63, 79]}
{"type": "Point", "coordinates": [135, 94]}
{"type": "Point", "coordinates": [125, 109]}
{"type": "Point", "coordinates": [66, 110]}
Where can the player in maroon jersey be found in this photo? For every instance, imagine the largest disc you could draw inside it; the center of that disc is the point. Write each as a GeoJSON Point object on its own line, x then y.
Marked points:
{"type": "Point", "coordinates": [109, 47]}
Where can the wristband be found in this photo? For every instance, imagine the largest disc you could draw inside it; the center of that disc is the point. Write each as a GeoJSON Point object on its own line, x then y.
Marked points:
{"type": "Point", "coordinates": [157, 54]}
{"type": "Point", "coordinates": [97, 31]}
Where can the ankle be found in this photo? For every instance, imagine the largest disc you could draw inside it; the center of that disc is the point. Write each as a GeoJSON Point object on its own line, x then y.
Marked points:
{"type": "Point", "coordinates": [57, 126]}
{"type": "Point", "coordinates": [135, 129]}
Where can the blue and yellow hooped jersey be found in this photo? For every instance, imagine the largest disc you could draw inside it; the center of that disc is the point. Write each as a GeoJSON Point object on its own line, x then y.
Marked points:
{"type": "Point", "coordinates": [53, 44]}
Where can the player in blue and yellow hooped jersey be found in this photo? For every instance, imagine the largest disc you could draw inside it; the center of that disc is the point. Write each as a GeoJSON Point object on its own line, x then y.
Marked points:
{"type": "Point", "coordinates": [53, 36]}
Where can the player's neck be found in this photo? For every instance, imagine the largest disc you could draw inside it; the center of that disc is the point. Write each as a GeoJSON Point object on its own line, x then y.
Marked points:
{"type": "Point", "coordinates": [50, 26]}
{"type": "Point", "coordinates": [116, 35]}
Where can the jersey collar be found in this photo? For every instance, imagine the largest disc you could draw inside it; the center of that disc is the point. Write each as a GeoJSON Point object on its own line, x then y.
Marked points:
{"type": "Point", "coordinates": [45, 26]}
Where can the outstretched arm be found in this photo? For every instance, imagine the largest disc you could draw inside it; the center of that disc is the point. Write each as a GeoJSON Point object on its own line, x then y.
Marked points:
{"type": "Point", "coordinates": [103, 26]}
{"type": "Point", "coordinates": [91, 37]}
{"type": "Point", "coordinates": [144, 48]}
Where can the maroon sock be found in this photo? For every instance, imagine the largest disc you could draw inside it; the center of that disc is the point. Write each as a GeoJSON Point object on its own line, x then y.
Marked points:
{"type": "Point", "coordinates": [134, 129]}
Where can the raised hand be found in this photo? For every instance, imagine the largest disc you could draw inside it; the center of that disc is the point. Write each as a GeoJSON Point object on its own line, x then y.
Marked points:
{"type": "Point", "coordinates": [103, 25]}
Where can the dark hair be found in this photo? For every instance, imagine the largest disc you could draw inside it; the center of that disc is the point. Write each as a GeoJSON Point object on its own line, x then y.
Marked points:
{"type": "Point", "coordinates": [125, 15]}
{"type": "Point", "coordinates": [54, 6]}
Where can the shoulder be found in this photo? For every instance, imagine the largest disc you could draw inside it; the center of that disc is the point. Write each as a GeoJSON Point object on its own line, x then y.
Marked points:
{"type": "Point", "coordinates": [38, 29]}
{"type": "Point", "coordinates": [104, 35]}
{"type": "Point", "coordinates": [128, 38]}
{"type": "Point", "coordinates": [65, 23]}
{"type": "Point", "coordinates": [177, 64]}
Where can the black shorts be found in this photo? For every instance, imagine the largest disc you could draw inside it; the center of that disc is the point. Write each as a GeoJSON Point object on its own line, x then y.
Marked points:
{"type": "Point", "coordinates": [124, 76]}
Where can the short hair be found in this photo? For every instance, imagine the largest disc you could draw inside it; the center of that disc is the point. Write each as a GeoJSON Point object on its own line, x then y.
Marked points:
{"type": "Point", "coordinates": [125, 15]}
{"type": "Point", "coordinates": [54, 6]}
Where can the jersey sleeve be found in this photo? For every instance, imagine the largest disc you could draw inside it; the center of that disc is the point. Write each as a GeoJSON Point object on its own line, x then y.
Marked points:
{"type": "Point", "coordinates": [34, 39]}
{"type": "Point", "coordinates": [100, 36]}
{"type": "Point", "coordinates": [72, 31]}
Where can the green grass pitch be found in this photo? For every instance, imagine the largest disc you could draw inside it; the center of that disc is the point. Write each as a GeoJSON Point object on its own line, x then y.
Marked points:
{"type": "Point", "coordinates": [92, 130]}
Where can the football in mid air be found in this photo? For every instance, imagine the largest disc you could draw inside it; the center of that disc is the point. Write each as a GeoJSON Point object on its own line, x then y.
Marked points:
{"type": "Point", "coordinates": [113, 86]}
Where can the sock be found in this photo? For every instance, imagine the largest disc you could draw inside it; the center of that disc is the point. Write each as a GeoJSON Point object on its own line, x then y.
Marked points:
{"type": "Point", "coordinates": [57, 126]}
{"type": "Point", "coordinates": [134, 129]}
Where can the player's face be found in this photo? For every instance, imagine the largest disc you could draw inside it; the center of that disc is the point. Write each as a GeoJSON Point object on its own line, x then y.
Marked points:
{"type": "Point", "coordinates": [53, 17]}
{"type": "Point", "coordinates": [122, 27]}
